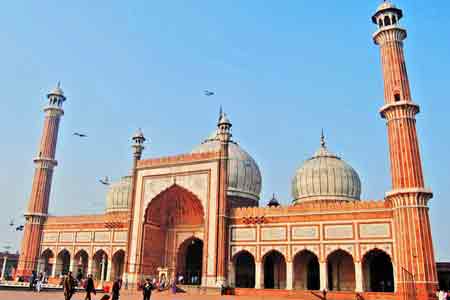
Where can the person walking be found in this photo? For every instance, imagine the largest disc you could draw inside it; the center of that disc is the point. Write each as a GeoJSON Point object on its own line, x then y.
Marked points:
{"type": "Point", "coordinates": [68, 286]}
{"type": "Point", "coordinates": [39, 282]}
{"type": "Point", "coordinates": [147, 289]}
{"type": "Point", "coordinates": [90, 288]}
{"type": "Point", "coordinates": [115, 293]}
{"type": "Point", "coordinates": [32, 280]}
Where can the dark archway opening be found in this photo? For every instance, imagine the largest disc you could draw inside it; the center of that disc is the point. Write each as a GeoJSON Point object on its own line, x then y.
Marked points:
{"type": "Point", "coordinates": [378, 272]}
{"type": "Point", "coordinates": [244, 265]}
{"type": "Point", "coordinates": [306, 271]}
{"type": "Point", "coordinates": [274, 271]}
{"type": "Point", "coordinates": [190, 259]}
{"type": "Point", "coordinates": [341, 271]}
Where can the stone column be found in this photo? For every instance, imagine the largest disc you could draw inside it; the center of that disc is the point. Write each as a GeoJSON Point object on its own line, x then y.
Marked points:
{"type": "Point", "coordinates": [289, 275]}
{"type": "Point", "coordinates": [102, 274]}
{"type": "Point", "coordinates": [108, 271]}
{"type": "Point", "coordinates": [323, 276]}
{"type": "Point", "coordinates": [54, 267]}
{"type": "Point", "coordinates": [71, 264]}
{"type": "Point", "coordinates": [259, 276]}
{"type": "Point", "coordinates": [5, 260]}
{"type": "Point", "coordinates": [231, 274]}
{"type": "Point", "coordinates": [90, 261]}
{"type": "Point", "coordinates": [358, 277]}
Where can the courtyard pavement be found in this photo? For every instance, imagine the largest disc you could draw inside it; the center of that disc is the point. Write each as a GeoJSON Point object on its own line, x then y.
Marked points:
{"type": "Point", "coordinates": [26, 295]}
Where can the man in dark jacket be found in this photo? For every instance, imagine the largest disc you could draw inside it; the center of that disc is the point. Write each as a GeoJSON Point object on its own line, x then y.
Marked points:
{"type": "Point", "coordinates": [69, 286]}
{"type": "Point", "coordinates": [90, 288]}
{"type": "Point", "coordinates": [147, 289]}
{"type": "Point", "coordinates": [116, 289]}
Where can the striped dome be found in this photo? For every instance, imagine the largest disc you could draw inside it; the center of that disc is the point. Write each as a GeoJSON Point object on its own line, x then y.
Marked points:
{"type": "Point", "coordinates": [118, 197]}
{"type": "Point", "coordinates": [244, 177]}
{"type": "Point", "coordinates": [325, 176]}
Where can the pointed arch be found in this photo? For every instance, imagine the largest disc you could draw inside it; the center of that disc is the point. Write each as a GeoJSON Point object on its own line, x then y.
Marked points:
{"type": "Point", "coordinates": [306, 270]}
{"type": "Point", "coordinates": [274, 264]}
{"type": "Point", "coordinates": [378, 272]}
{"type": "Point", "coordinates": [341, 271]}
{"type": "Point", "coordinates": [173, 209]}
{"type": "Point", "coordinates": [243, 269]}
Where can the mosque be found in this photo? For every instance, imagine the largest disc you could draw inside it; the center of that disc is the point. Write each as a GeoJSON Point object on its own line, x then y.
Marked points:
{"type": "Point", "coordinates": [196, 216]}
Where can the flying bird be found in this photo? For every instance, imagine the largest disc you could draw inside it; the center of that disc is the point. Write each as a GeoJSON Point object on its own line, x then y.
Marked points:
{"type": "Point", "coordinates": [208, 93]}
{"type": "Point", "coordinates": [104, 181]}
{"type": "Point", "coordinates": [19, 228]}
{"type": "Point", "coordinates": [79, 134]}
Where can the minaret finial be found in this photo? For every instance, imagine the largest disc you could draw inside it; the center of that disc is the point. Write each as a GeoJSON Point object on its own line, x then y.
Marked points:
{"type": "Point", "coordinates": [322, 139]}
{"type": "Point", "coordinates": [220, 112]}
{"type": "Point", "coordinates": [58, 84]}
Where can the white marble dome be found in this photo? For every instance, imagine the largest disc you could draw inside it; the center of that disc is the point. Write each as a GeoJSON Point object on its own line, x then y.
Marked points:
{"type": "Point", "coordinates": [118, 196]}
{"type": "Point", "coordinates": [244, 177]}
{"type": "Point", "coordinates": [325, 176]}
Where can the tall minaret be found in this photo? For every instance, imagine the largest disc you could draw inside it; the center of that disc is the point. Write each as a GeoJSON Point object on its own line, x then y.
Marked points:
{"type": "Point", "coordinates": [37, 210]}
{"type": "Point", "coordinates": [224, 133]}
{"type": "Point", "coordinates": [138, 146]}
{"type": "Point", "coordinates": [414, 254]}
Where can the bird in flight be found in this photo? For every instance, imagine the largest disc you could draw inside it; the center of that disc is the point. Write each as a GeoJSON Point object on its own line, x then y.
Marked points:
{"type": "Point", "coordinates": [79, 134]}
{"type": "Point", "coordinates": [19, 228]}
{"type": "Point", "coordinates": [208, 93]}
{"type": "Point", "coordinates": [104, 181]}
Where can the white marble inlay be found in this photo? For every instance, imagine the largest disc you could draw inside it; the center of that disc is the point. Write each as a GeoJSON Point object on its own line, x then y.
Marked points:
{"type": "Point", "coordinates": [83, 236]}
{"type": "Point", "coordinates": [243, 234]}
{"type": "Point", "coordinates": [305, 232]}
{"type": "Point", "coordinates": [66, 237]}
{"type": "Point", "coordinates": [120, 236]}
{"type": "Point", "coordinates": [377, 230]}
{"type": "Point", "coordinates": [102, 236]}
{"type": "Point", "coordinates": [273, 233]}
{"type": "Point", "coordinates": [339, 231]}
{"type": "Point", "coordinates": [50, 237]}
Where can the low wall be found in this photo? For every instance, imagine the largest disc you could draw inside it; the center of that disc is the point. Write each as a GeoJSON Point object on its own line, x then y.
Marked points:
{"type": "Point", "coordinates": [314, 295]}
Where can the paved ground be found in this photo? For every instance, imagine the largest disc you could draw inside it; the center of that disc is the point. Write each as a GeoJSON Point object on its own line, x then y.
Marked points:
{"type": "Point", "coordinates": [24, 295]}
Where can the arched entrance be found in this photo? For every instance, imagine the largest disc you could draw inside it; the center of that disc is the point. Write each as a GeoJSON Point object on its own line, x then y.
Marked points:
{"type": "Point", "coordinates": [118, 261]}
{"type": "Point", "coordinates": [341, 271]}
{"type": "Point", "coordinates": [174, 211]}
{"type": "Point", "coordinates": [274, 270]}
{"type": "Point", "coordinates": [244, 270]}
{"type": "Point", "coordinates": [189, 261]}
{"type": "Point", "coordinates": [81, 259]}
{"type": "Point", "coordinates": [62, 263]}
{"type": "Point", "coordinates": [100, 265]}
{"type": "Point", "coordinates": [306, 271]}
{"type": "Point", "coordinates": [378, 272]}
{"type": "Point", "coordinates": [47, 261]}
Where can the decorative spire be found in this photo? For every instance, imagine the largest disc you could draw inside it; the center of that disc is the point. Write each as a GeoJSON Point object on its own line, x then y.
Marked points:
{"type": "Point", "coordinates": [322, 140]}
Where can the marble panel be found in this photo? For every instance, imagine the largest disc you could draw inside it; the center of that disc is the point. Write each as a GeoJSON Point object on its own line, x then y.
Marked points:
{"type": "Point", "coordinates": [376, 230]}
{"type": "Point", "coordinates": [339, 231]}
{"type": "Point", "coordinates": [273, 233]}
{"type": "Point", "coordinates": [102, 236]}
{"type": "Point", "coordinates": [83, 236]}
{"type": "Point", "coordinates": [243, 234]}
{"type": "Point", "coordinates": [66, 236]}
{"type": "Point", "coordinates": [305, 232]}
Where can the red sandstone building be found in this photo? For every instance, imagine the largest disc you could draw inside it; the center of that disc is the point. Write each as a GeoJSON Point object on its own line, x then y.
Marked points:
{"type": "Point", "coordinates": [196, 215]}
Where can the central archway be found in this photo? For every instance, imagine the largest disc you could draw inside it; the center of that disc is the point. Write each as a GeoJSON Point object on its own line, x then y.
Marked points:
{"type": "Point", "coordinates": [168, 216]}
{"type": "Point", "coordinates": [190, 261]}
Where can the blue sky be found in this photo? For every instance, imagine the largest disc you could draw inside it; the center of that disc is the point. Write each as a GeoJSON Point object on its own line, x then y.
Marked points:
{"type": "Point", "coordinates": [282, 71]}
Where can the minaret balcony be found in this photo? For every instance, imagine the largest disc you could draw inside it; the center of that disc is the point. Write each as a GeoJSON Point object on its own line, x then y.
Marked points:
{"type": "Point", "coordinates": [405, 109]}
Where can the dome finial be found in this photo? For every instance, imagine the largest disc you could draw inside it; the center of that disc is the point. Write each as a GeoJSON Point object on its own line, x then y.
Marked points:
{"type": "Point", "coordinates": [322, 140]}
